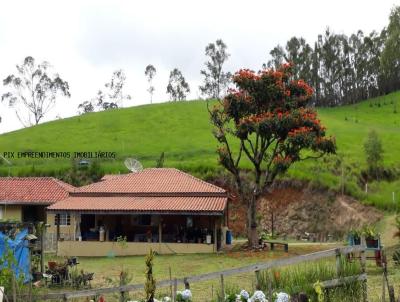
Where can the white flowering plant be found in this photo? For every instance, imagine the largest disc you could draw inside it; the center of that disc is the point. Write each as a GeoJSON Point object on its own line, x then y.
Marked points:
{"type": "Point", "coordinates": [243, 296]}
{"type": "Point", "coordinates": [184, 296]}
{"type": "Point", "coordinates": [258, 296]}
{"type": "Point", "coordinates": [281, 297]}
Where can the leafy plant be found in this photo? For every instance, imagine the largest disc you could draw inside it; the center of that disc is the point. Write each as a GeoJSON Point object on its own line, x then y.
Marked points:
{"type": "Point", "coordinates": [396, 257]}
{"type": "Point", "coordinates": [150, 285]}
{"type": "Point", "coordinates": [370, 232]}
{"type": "Point", "coordinates": [397, 234]}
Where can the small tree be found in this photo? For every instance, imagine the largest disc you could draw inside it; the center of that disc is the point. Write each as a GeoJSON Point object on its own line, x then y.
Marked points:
{"type": "Point", "coordinates": [114, 95]}
{"type": "Point", "coordinates": [150, 72]}
{"type": "Point", "coordinates": [35, 89]}
{"type": "Point", "coordinates": [86, 107]}
{"type": "Point", "coordinates": [177, 87]}
{"type": "Point", "coordinates": [265, 121]}
{"type": "Point", "coordinates": [215, 80]}
{"type": "Point", "coordinates": [150, 285]}
{"type": "Point", "coordinates": [373, 152]}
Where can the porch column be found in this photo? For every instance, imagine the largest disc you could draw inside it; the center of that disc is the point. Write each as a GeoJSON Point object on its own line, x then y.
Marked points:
{"type": "Point", "coordinates": [160, 230]}
{"type": "Point", "coordinates": [57, 219]}
{"type": "Point", "coordinates": [215, 234]}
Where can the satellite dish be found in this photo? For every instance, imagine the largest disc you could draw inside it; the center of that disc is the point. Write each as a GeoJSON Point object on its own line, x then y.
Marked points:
{"type": "Point", "coordinates": [133, 165]}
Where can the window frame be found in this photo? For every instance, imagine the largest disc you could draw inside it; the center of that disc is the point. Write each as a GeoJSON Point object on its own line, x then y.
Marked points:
{"type": "Point", "coordinates": [64, 219]}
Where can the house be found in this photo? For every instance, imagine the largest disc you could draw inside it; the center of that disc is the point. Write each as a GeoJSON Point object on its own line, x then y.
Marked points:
{"type": "Point", "coordinates": [160, 208]}
{"type": "Point", "coordinates": [24, 199]}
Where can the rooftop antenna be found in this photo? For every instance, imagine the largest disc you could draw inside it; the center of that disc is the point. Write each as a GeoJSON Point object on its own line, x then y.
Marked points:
{"type": "Point", "coordinates": [133, 165]}
{"type": "Point", "coordinates": [8, 163]}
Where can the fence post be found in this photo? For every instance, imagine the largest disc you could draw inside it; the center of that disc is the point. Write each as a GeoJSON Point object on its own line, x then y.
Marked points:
{"type": "Point", "coordinates": [186, 282]}
{"type": "Point", "coordinates": [170, 280]}
{"type": "Point", "coordinates": [363, 269]}
{"type": "Point", "coordinates": [383, 288]}
{"type": "Point", "coordinates": [14, 288]}
{"type": "Point", "coordinates": [222, 288]}
{"type": "Point", "coordinates": [257, 279]}
{"type": "Point", "coordinates": [338, 263]}
{"type": "Point", "coordinates": [175, 289]}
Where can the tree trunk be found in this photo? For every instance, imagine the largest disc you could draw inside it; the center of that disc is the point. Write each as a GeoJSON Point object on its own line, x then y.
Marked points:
{"type": "Point", "coordinates": [251, 214]}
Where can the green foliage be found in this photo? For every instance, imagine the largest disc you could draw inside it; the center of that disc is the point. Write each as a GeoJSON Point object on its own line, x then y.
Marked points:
{"type": "Point", "coordinates": [396, 257]}
{"type": "Point", "coordinates": [215, 79]}
{"type": "Point", "coordinates": [122, 242]}
{"type": "Point", "coordinates": [373, 151]}
{"type": "Point", "coordinates": [150, 284]}
{"type": "Point", "coordinates": [177, 87]}
{"type": "Point", "coordinates": [397, 234]}
{"type": "Point", "coordinates": [306, 277]}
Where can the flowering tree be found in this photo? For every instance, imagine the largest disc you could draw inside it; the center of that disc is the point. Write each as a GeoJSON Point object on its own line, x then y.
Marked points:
{"type": "Point", "coordinates": [265, 120]}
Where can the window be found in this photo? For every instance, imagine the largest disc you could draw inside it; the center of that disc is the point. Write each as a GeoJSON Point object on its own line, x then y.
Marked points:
{"type": "Point", "coordinates": [64, 219]}
{"type": "Point", "coordinates": [1, 212]}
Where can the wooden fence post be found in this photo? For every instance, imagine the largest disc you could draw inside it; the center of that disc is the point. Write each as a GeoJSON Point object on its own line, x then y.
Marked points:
{"type": "Point", "coordinates": [383, 288]}
{"type": "Point", "coordinates": [14, 287]}
{"type": "Point", "coordinates": [363, 269]}
{"type": "Point", "coordinates": [222, 288]}
{"type": "Point", "coordinates": [257, 279]}
{"type": "Point", "coordinates": [170, 279]}
{"type": "Point", "coordinates": [338, 263]}
{"type": "Point", "coordinates": [175, 289]}
{"type": "Point", "coordinates": [186, 282]}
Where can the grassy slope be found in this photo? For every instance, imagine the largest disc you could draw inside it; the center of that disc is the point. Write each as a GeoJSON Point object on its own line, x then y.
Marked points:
{"type": "Point", "coordinates": [182, 130]}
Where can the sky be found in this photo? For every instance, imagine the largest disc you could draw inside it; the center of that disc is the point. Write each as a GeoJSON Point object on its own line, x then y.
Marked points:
{"type": "Point", "coordinates": [85, 41]}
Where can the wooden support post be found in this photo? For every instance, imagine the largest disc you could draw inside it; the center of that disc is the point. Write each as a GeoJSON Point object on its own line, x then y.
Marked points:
{"type": "Point", "coordinates": [257, 280]}
{"type": "Point", "coordinates": [186, 282]}
{"type": "Point", "coordinates": [391, 294]}
{"type": "Point", "coordinates": [170, 280]}
{"type": "Point", "coordinates": [363, 269]}
{"type": "Point", "coordinates": [14, 287]}
{"type": "Point", "coordinates": [175, 289]}
{"type": "Point", "coordinates": [42, 239]}
{"type": "Point", "coordinates": [121, 293]}
{"type": "Point", "coordinates": [215, 235]}
{"type": "Point", "coordinates": [58, 231]}
{"type": "Point", "coordinates": [222, 288]}
{"type": "Point", "coordinates": [338, 263]}
{"type": "Point", "coordinates": [383, 288]}
{"type": "Point", "coordinates": [160, 231]}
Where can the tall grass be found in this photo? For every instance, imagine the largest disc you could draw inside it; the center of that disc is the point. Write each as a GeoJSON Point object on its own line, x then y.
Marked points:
{"type": "Point", "coordinates": [301, 278]}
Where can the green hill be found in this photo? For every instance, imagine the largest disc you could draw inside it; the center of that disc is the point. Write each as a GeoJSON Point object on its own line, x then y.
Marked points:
{"type": "Point", "coordinates": [182, 130]}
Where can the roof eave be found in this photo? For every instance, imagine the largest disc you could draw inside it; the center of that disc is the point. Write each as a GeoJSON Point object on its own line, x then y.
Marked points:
{"type": "Point", "coordinates": [120, 212]}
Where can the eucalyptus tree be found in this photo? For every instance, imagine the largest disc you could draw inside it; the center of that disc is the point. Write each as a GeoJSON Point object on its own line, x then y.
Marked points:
{"type": "Point", "coordinates": [216, 81]}
{"type": "Point", "coordinates": [33, 90]}
{"type": "Point", "coordinates": [113, 95]}
{"type": "Point", "coordinates": [177, 87]}
{"type": "Point", "coordinates": [150, 73]}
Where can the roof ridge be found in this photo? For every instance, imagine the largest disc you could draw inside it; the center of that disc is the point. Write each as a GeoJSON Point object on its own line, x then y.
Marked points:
{"type": "Point", "coordinates": [62, 184]}
{"type": "Point", "coordinates": [200, 180]}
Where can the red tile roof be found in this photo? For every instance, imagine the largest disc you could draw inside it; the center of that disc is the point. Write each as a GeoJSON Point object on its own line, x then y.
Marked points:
{"type": "Point", "coordinates": [40, 190]}
{"type": "Point", "coordinates": [156, 181]}
{"type": "Point", "coordinates": [141, 204]}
